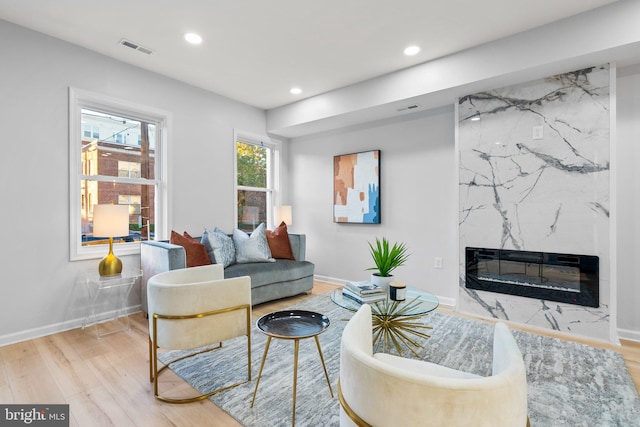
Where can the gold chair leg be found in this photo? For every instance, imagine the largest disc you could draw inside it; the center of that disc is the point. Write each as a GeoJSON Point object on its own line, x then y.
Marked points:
{"type": "Point", "coordinates": [154, 371]}
{"type": "Point", "coordinates": [154, 350]}
{"type": "Point", "coordinates": [150, 362]}
{"type": "Point", "coordinates": [157, 373]}
{"type": "Point", "coordinates": [249, 343]}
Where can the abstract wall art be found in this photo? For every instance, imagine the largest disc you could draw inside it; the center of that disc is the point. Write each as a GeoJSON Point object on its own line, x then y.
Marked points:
{"type": "Point", "coordinates": [356, 188]}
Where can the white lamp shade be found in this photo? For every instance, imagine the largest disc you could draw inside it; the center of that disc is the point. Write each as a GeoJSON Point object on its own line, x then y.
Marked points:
{"type": "Point", "coordinates": [110, 220]}
{"type": "Point", "coordinates": [283, 213]}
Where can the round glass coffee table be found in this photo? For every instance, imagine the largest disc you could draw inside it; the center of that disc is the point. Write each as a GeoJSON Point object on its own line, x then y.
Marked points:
{"type": "Point", "coordinates": [395, 322]}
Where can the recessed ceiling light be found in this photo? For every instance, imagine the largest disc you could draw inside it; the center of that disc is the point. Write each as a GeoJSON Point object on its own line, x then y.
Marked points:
{"type": "Point", "coordinates": [475, 118]}
{"type": "Point", "coordinates": [412, 50]}
{"type": "Point", "coordinates": [193, 38]}
{"type": "Point", "coordinates": [295, 90]}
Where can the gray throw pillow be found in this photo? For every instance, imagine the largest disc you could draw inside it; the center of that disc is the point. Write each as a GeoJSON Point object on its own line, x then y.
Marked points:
{"type": "Point", "coordinates": [252, 248]}
{"type": "Point", "coordinates": [219, 246]}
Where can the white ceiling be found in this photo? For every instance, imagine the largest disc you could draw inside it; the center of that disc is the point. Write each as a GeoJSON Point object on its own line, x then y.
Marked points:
{"type": "Point", "coordinates": [254, 51]}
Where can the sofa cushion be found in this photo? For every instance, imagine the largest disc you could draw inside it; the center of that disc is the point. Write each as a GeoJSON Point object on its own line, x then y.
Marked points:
{"type": "Point", "coordinates": [252, 248]}
{"type": "Point", "coordinates": [219, 246]}
{"type": "Point", "coordinates": [282, 270]}
{"type": "Point", "coordinates": [195, 251]}
{"type": "Point", "coordinates": [279, 243]}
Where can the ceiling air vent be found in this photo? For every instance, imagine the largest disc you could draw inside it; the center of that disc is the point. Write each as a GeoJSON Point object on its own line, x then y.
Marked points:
{"type": "Point", "coordinates": [135, 46]}
{"type": "Point", "coordinates": [409, 108]}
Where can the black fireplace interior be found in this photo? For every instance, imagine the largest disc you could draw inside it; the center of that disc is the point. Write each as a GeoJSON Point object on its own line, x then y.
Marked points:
{"type": "Point", "coordinates": [572, 279]}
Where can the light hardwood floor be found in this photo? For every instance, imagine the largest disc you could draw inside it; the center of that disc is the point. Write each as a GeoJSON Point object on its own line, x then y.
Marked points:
{"type": "Point", "coordinates": [106, 381]}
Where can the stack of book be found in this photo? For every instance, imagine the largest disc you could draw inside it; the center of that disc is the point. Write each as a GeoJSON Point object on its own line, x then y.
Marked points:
{"type": "Point", "coordinates": [364, 292]}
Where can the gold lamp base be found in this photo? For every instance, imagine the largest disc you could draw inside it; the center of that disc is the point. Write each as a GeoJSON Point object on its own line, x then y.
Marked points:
{"type": "Point", "coordinates": [110, 265]}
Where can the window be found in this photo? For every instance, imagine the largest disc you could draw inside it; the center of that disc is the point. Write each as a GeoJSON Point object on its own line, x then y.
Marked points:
{"type": "Point", "coordinates": [104, 169]}
{"type": "Point", "coordinates": [90, 131]}
{"type": "Point", "coordinates": [134, 202]}
{"type": "Point", "coordinates": [257, 180]}
{"type": "Point", "coordinates": [127, 169]}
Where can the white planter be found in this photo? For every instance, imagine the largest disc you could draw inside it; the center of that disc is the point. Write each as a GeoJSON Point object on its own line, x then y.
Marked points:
{"type": "Point", "coordinates": [383, 282]}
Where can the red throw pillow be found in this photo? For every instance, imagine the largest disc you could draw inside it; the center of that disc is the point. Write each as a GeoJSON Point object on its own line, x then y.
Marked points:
{"type": "Point", "coordinates": [279, 243]}
{"type": "Point", "coordinates": [196, 252]}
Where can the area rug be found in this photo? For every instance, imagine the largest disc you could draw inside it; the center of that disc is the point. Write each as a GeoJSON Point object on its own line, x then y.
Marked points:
{"type": "Point", "coordinates": [569, 384]}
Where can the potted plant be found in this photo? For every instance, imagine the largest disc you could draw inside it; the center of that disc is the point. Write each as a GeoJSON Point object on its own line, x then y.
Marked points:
{"type": "Point", "coordinates": [387, 258]}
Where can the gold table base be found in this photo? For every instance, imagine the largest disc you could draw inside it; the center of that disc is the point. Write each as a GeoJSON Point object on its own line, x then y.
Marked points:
{"type": "Point", "coordinates": [296, 343]}
{"type": "Point", "coordinates": [393, 325]}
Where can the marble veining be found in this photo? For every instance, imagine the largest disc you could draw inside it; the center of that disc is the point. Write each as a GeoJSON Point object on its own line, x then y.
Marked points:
{"type": "Point", "coordinates": [534, 175]}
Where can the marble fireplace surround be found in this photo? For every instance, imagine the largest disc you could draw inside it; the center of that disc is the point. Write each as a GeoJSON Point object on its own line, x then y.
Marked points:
{"type": "Point", "coordinates": [534, 176]}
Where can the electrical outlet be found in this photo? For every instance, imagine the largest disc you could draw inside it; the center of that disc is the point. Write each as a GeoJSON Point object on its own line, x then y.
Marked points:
{"type": "Point", "coordinates": [537, 132]}
{"type": "Point", "coordinates": [437, 262]}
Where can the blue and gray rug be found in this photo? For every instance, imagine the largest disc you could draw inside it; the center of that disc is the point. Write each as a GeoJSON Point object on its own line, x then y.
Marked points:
{"type": "Point", "coordinates": [569, 384]}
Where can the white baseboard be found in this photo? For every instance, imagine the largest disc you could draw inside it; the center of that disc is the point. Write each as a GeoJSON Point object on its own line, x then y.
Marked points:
{"type": "Point", "coordinates": [331, 280]}
{"type": "Point", "coordinates": [627, 334]}
{"type": "Point", "coordinates": [58, 327]}
{"type": "Point", "coordinates": [448, 303]}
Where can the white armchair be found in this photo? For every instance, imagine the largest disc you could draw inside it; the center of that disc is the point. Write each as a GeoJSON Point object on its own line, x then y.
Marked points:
{"type": "Point", "coordinates": [386, 390]}
{"type": "Point", "coordinates": [195, 307]}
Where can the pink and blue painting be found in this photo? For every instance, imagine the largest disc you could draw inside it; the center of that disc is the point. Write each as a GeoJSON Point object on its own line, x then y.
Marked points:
{"type": "Point", "coordinates": [356, 188]}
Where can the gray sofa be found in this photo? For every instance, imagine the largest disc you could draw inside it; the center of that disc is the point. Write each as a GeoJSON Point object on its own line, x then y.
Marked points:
{"type": "Point", "coordinates": [269, 280]}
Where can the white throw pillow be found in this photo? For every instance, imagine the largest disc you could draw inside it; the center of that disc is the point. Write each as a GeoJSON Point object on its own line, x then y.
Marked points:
{"type": "Point", "coordinates": [252, 248]}
{"type": "Point", "coordinates": [219, 246]}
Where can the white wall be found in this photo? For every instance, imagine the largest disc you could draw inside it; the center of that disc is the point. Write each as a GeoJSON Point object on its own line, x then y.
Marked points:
{"type": "Point", "coordinates": [628, 201]}
{"type": "Point", "coordinates": [418, 194]}
{"type": "Point", "coordinates": [419, 200]}
{"type": "Point", "coordinates": [38, 286]}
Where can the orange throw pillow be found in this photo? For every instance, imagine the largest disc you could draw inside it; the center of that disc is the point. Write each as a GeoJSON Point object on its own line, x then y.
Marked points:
{"type": "Point", "coordinates": [196, 252]}
{"type": "Point", "coordinates": [279, 243]}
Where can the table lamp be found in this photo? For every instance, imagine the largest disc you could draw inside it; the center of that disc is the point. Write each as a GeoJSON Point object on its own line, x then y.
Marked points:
{"type": "Point", "coordinates": [110, 221]}
{"type": "Point", "coordinates": [283, 213]}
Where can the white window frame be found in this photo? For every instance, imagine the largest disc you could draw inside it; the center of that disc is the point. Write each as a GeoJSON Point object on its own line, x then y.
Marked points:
{"type": "Point", "coordinates": [81, 99]}
{"type": "Point", "coordinates": [273, 172]}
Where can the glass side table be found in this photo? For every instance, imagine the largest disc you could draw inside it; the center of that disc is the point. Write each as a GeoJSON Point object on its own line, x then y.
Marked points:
{"type": "Point", "coordinates": [107, 301]}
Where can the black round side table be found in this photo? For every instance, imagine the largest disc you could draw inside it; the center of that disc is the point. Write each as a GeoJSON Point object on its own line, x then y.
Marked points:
{"type": "Point", "coordinates": [292, 325]}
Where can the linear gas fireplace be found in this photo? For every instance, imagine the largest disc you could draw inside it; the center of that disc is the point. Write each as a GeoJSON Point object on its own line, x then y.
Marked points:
{"type": "Point", "coordinates": [564, 278]}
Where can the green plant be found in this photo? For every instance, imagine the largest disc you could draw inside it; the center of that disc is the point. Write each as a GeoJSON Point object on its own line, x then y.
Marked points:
{"type": "Point", "coordinates": [387, 258]}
